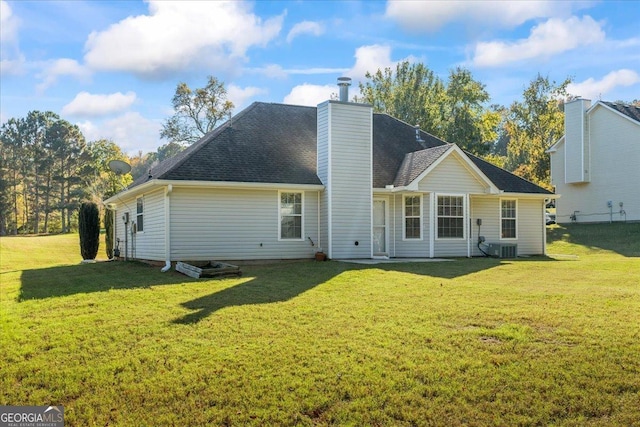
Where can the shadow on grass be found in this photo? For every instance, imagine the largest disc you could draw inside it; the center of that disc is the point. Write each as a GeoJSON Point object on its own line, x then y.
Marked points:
{"type": "Point", "coordinates": [622, 238]}
{"type": "Point", "coordinates": [284, 281]}
{"type": "Point", "coordinates": [269, 283]}
{"type": "Point", "coordinates": [277, 282]}
{"type": "Point", "coordinates": [87, 278]}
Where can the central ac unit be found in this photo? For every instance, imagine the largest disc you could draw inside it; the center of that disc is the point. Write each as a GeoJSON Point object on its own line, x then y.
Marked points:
{"type": "Point", "coordinates": [503, 250]}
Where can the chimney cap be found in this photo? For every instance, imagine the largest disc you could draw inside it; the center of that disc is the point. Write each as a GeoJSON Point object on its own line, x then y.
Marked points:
{"type": "Point", "coordinates": [344, 81]}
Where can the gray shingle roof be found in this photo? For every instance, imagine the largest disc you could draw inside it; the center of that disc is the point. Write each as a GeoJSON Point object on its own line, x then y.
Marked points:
{"type": "Point", "coordinates": [417, 162]}
{"type": "Point", "coordinates": [276, 143]}
{"type": "Point", "coordinates": [627, 110]}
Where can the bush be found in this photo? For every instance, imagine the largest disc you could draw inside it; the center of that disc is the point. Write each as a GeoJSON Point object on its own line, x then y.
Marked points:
{"type": "Point", "coordinates": [108, 232]}
{"type": "Point", "coordinates": [89, 229]}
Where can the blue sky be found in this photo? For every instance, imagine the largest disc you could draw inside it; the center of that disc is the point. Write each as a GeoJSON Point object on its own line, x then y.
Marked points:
{"type": "Point", "coordinates": [112, 66]}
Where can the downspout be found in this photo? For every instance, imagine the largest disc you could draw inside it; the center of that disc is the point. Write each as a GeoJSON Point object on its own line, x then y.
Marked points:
{"type": "Point", "coordinates": [432, 227]}
{"type": "Point", "coordinates": [115, 231]}
{"type": "Point", "coordinates": [167, 228]}
{"type": "Point", "coordinates": [319, 233]}
{"type": "Point", "coordinates": [544, 227]}
{"type": "Point", "coordinates": [468, 209]}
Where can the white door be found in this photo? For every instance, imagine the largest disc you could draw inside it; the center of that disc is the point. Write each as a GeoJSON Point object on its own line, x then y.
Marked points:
{"type": "Point", "coordinates": [380, 227]}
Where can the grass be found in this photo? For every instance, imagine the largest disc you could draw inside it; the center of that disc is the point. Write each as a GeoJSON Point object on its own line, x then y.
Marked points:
{"type": "Point", "coordinates": [479, 342]}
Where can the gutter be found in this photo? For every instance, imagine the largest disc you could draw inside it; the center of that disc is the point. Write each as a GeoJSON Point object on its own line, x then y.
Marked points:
{"type": "Point", "coordinates": [212, 184]}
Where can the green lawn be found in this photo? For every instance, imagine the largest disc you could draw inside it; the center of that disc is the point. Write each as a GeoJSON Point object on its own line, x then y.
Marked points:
{"type": "Point", "coordinates": [476, 342]}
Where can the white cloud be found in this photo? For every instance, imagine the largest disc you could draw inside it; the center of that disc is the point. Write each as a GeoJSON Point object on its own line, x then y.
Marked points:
{"type": "Point", "coordinates": [13, 66]}
{"type": "Point", "coordinates": [311, 95]}
{"type": "Point", "coordinates": [131, 132]}
{"type": "Point", "coordinates": [370, 58]}
{"type": "Point", "coordinates": [595, 89]}
{"type": "Point", "coordinates": [180, 35]}
{"type": "Point", "coordinates": [432, 15]}
{"type": "Point", "coordinates": [92, 105]}
{"type": "Point", "coordinates": [547, 39]}
{"type": "Point", "coordinates": [12, 62]}
{"type": "Point", "coordinates": [8, 23]}
{"type": "Point", "coordinates": [61, 67]}
{"type": "Point", "coordinates": [239, 96]}
{"type": "Point", "coordinates": [305, 27]}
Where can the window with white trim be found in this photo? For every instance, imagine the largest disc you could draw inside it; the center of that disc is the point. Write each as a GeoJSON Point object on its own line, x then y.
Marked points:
{"type": "Point", "coordinates": [413, 217]}
{"type": "Point", "coordinates": [140, 214]}
{"type": "Point", "coordinates": [508, 219]}
{"type": "Point", "coordinates": [450, 217]}
{"type": "Point", "coordinates": [291, 215]}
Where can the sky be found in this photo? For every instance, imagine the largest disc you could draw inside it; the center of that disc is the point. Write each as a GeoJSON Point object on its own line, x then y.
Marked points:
{"type": "Point", "coordinates": [112, 67]}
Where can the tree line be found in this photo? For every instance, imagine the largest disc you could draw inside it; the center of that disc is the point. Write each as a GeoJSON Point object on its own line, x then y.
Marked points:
{"type": "Point", "coordinates": [47, 168]}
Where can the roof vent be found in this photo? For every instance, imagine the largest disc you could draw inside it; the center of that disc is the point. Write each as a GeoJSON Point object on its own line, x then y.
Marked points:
{"type": "Point", "coordinates": [418, 139]}
{"type": "Point", "coordinates": [344, 83]}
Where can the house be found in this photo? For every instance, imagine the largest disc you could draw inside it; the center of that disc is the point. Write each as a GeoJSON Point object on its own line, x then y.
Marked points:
{"type": "Point", "coordinates": [596, 164]}
{"type": "Point", "coordinates": [283, 181]}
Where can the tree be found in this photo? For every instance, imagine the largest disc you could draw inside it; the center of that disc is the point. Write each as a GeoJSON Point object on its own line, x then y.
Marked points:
{"type": "Point", "coordinates": [454, 111]}
{"type": "Point", "coordinates": [197, 112]}
{"type": "Point", "coordinates": [41, 153]}
{"type": "Point", "coordinates": [533, 125]}
{"type": "Point", "coordinates": [468, 122]}
{"type": "Point", "coordinates": [412, 93]}
{"type": "Point", "coordinates": [89, 230]}
{"type": "Point", "coordinates": [100, 182]}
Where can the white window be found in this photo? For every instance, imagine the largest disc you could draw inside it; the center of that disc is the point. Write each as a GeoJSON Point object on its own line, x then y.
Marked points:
{"type": "Point", "coordinates": [139, 214]}
{"type": "Point", "coordinates": [450, 215]}
{"type": "Point", "coordinates": [508, 219]}
{"type": "Point", "coordinates": [291, 208]}
{"type": "Point", "coordinates": [413, 217]}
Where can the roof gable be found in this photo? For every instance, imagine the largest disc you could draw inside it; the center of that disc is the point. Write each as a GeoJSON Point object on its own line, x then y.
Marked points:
{"type": "Point", "coordinates": [628, 111]}
{"type": "Point", "coordinates": [422, 164]}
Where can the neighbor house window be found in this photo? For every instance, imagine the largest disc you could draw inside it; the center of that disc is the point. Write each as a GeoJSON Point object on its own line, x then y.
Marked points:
{"type": "Point", "coordinates": [139, 214]}
{"type": "Point", "coordinates": [412, 217]}
{"type": "Point", "coordinates": [290, 215]}
{"type": "Point", "coordinates": [508, 210]}
{"type": "Point", "coordinates": [450, 217]}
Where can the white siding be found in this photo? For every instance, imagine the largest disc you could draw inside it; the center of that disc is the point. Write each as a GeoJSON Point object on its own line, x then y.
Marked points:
{"type": "Point", "coordinates": [488, 210]}
{"type": "Point", "coordinates": [451, 175]}
{"type": "Point", "coordinates": [231, 224]}
{"type": "Point", "coordinates": [323, 172]}
{"type": "Point", "coordinates": [529, 223]}
{"type": "Point", "coordinates": [407, 248]}
{"type": "Point", "coordinates": [350, 179]}
{"type": "Point", "coordinates": [575, 140]}
{"type": "Point", "coordinates": [614, 172]}
{"type": "Point", "coordinates": [149, 244]}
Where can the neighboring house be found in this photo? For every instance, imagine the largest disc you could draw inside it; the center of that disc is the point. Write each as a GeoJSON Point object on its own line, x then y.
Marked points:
{"type": "Point", "coordinates": [283, 181]}
{"type": "Point", "coordinates": [595, 166]}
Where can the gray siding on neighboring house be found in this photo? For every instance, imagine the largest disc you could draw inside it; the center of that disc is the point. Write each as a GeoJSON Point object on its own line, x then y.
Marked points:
{"type": "Point", "coordinates": [234, 224]}
{"type": "Point", "coordinates": [576, 141]}
{"type": "Point", "coordinates": [614, 172]}
{"type": "Point", "coordinates": [350, 178]}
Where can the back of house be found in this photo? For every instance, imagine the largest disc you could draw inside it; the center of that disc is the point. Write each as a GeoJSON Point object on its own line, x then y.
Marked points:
{"type": "Point", "coordinates": [284, 182]}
